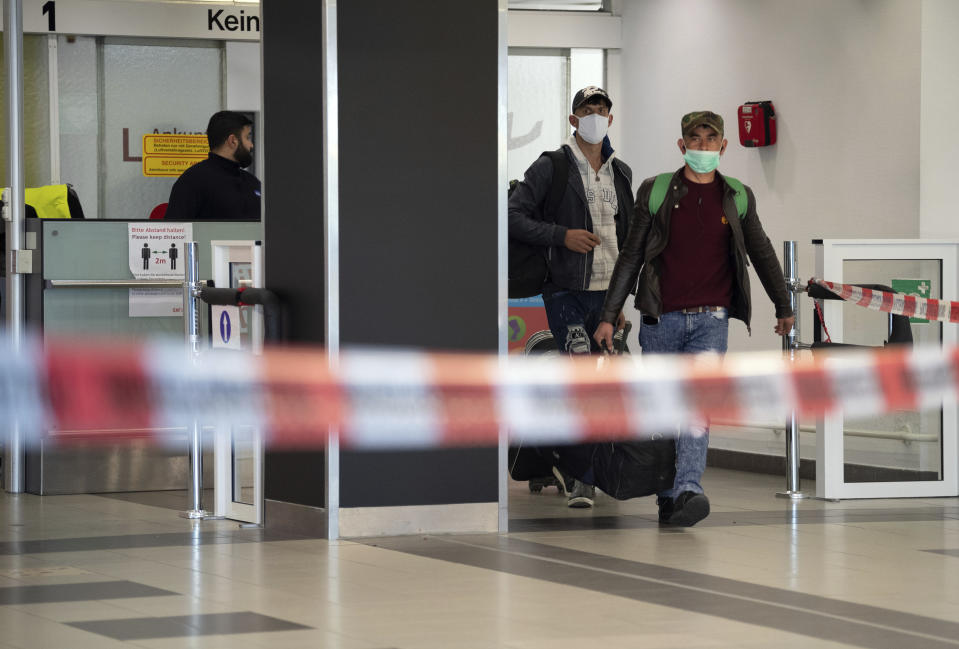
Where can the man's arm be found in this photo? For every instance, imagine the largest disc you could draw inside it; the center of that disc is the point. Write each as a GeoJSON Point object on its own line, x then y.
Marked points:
{"type": "Point", "coordinates": [526, 207]}
{"type": "Point", "coordinates": [184, 203]}
{"type": "Point", "coordinates": [763, 257]}
{"type": "Point", "coordinates": [631, 257]}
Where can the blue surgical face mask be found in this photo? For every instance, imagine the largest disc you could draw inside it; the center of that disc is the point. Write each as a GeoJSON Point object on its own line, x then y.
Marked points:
{"type": "Point", "coordinates": [702, 162]}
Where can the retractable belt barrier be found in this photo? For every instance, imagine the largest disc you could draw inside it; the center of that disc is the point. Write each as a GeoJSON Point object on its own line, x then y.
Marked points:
{"type": "Point", "coordinates": [895, 303]}
{"type": "Point", "coordinates": [71, 390]}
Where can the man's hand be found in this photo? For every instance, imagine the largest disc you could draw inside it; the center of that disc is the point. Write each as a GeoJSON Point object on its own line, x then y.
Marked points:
{"type": "Point", "coordinates": [785, 325]}
{"type": "Point", "coordinates": [580, 240]}
{"type": "Point", "coordinates": [604, 333]}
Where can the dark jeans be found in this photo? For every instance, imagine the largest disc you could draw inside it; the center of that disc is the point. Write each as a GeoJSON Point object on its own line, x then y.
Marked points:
{"type": "Point", "coordinates": [687, 333]}
{"type": "Point", "coordinates": [573, 317]}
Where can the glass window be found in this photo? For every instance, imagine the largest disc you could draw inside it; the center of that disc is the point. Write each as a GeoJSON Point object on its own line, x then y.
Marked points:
{"type": "Point", "coordinates": [905, 445]}
{"type": "Point", "coordinates": [36, 113]}
{"type": "Point", "coordinates": [79, 118]}
{"type": "Point", "coordinates": [150, 87]}
{"type": "Point", "coordinates": [540, 89]}
{"type": "Point", "coordinates": [537, 106]}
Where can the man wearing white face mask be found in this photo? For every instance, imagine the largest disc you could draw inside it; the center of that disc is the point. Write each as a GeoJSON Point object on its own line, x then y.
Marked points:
{"type": "Point", "coordinates": [582, 235]}
{"type": "Point", "coordinates": [689, 240]}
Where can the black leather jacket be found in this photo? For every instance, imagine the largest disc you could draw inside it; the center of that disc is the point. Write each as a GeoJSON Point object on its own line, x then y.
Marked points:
{"type": "Point", "coordinates": [527, 222]}
{"type": "Point", "coordinates": [649, 236]}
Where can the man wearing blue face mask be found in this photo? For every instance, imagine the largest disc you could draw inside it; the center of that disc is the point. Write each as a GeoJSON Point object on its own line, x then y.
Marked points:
{"type": "Point", "coordinates": [582, 234]}
{"type": "Point", "coordinates": [689, 239]}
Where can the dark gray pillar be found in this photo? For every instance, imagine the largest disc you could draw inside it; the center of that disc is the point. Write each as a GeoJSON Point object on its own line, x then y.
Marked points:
{"type": "Point", "coordinates": [418, 193]}
{"type": "Point", "coordinates": [293, 207]}
{"type": "Point", "coordinates": [418, 213]}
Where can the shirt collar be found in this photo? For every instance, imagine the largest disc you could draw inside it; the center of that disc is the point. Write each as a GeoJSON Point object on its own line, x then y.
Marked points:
{"type": "Point", "coordinates": [226, 163]}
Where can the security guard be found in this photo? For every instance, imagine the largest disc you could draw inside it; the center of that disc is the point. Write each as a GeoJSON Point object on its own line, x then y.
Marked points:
{"type": "Point", "coordinates": [218, 188]}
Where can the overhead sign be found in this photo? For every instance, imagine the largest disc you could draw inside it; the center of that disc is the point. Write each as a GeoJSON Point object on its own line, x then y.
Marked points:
{"type": "Point", "coordinates": [167, 154]}
{"type": "Point", "coordinates": [156, 249]}
{"type": "Point", "coordinates": [226, 21]}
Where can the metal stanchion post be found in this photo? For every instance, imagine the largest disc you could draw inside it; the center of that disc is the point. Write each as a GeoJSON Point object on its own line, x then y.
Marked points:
{"type": "Point", "coordinates": [191, 317]}
{"type": "Point", "coordinates": [13, 460]}
{"type": "Point", "coordinates": [790, 345]}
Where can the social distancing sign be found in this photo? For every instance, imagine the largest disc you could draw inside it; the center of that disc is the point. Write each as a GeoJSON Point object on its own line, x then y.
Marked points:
{"type": "Point", "coordinates": [166, 154]}
{"type": "Point", "coordinates": [156, 250]}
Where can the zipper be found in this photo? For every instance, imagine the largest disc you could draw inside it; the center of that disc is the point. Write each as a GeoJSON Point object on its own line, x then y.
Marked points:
{"type": "Point", "coordinates": [586, 256]}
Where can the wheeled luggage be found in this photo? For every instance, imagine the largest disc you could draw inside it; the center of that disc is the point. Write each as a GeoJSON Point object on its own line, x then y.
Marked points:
{"type": "Point", "coordinates": [621, 469]}
{"type": "Point", "coordinates": [529, 463]}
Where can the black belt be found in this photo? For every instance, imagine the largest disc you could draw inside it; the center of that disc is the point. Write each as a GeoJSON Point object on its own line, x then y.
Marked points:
{"type": "Point", "coordinates": [650, 320]}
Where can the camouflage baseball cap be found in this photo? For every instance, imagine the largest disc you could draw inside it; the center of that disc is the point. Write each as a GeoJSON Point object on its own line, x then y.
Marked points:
{"type": "Point", "coordinates": [588, 95]}
{"type": "Point", "coordinates": [702, 118]}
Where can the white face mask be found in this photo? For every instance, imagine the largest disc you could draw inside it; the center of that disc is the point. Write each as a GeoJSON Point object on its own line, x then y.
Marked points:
{"type": "Point", "coordinates": [592, 128]}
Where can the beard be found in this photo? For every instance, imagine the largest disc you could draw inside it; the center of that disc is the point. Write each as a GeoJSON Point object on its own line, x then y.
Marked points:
{"type": "Point", "coordinates": [243, 156]}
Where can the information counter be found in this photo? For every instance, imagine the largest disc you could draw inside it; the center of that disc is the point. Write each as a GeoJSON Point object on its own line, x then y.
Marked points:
{"type": "Point", "coordinates": [84, 284]}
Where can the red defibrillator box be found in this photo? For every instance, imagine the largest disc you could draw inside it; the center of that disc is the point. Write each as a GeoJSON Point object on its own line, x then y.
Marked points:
{"type": "Point", "coordinates": [757, 123]}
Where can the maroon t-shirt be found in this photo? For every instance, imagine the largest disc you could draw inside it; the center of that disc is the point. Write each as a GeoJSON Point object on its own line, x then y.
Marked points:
{"type": "Point", "coordinates": [695, 266]}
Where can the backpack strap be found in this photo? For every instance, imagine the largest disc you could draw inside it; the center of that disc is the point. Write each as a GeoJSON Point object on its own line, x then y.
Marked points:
{"type": "Point", "coordinates": [557, 187]}
{"type": "Point", "coordinates": [658, 194]}
{"type": "Point", "coordinates": [741, 198]}
{"type": "Point", "coordinates": [661, 186]}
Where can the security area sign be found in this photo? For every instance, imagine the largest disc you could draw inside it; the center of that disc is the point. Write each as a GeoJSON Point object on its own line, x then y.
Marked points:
{"type": "Point", "coordinates": [166, 154]}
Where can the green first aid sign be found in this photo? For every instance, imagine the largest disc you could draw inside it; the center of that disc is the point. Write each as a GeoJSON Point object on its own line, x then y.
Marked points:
{"type": "Point", "coordinates": [917, 287]}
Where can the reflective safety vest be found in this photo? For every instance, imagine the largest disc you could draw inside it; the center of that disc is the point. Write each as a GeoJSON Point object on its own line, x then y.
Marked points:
{"type": "Point", "coordinates": [50, 201]}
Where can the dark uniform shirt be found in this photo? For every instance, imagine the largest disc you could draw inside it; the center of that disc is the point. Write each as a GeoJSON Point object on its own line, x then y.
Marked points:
{"type": "Point", "coordinates": [215, 189]}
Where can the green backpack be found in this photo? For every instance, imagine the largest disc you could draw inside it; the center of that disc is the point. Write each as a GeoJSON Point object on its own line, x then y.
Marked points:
{"type": "Point", "coordinates": [661, 186]}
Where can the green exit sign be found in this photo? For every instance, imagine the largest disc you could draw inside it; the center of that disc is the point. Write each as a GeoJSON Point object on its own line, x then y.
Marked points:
{"type": "Point", "coordinates": [917, 287]}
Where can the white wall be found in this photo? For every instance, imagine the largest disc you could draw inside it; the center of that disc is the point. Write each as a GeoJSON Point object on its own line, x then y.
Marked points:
{"type": "Point", "coordinates": [939, 213]}
{"type": "Point", "coordinates": [844, 76]}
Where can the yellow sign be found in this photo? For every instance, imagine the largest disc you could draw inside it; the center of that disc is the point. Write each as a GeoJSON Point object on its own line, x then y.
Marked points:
{"type": "Point", "coordinates": [171, 155]}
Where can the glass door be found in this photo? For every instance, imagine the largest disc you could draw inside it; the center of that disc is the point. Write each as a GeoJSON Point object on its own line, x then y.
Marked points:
{"type": "Point", "coordinates": [238, 449]}
{"type": "Point", "coordinates": [906, 452]}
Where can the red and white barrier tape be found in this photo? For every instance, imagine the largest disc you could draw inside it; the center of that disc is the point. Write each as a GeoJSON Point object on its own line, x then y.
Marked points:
{"type": "Point", "coordinates": [108, 393]}
{"type": "Point", "coordinates": [895, 303]}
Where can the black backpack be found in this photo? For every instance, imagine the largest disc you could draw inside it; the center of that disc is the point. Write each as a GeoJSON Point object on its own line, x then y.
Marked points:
{"type": "Point", "coordinates": [528, 265]}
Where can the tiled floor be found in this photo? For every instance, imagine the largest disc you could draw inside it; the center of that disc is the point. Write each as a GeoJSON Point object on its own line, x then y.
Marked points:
{"type": "Point", "coordinates": [92, 571]}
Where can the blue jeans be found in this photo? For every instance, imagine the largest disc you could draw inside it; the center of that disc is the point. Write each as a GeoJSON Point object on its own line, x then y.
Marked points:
{"type": "Point", "coordinates": [573, 317]}
{"type": "Point", "coordinates": [687, 333]}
